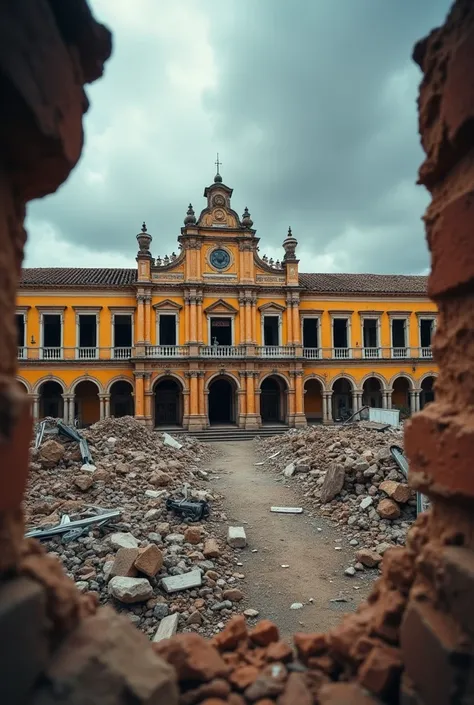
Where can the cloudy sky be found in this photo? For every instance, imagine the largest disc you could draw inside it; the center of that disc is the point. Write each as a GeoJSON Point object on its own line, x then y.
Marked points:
{"type": "Point", "coordinates": [310, 103]}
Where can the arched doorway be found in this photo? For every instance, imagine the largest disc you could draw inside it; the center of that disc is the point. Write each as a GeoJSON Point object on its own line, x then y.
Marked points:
{"type": "Point", "coordinates": [168, 403]}
{"type": "Point", "coordinates": [313, 400]}
{"type": "Point", "coordinates": [427, 391]}
{"type": "Point", "coordinates": [341, 399]}
{"type": "Point", "coordinates": [121, 399]}
{"type": "Point", "coordinates": [222, 406]}
{"type": "Point", "coordinates": [86, 403]}
{"type": "Point", "coordinates": [372, 393]}
{"type": "Point", "coordinates": [273, 400]}
{"type": "Point", "coordinates": [21, 385]}
{"type": "Point", "coordinates": [401, 396]}
{"type": "Point", "coordinates": [51, 400]}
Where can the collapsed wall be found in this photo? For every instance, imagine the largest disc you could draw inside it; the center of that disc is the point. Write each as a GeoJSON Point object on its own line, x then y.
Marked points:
{"type": "Point", "coordinates": [411, 642]}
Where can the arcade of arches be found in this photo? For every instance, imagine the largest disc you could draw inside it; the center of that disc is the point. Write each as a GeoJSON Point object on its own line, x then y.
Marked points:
{"type": "Point", "coordinates": [225, 402]}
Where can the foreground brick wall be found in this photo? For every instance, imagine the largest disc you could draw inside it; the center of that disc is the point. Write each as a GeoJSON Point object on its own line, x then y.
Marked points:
{"type": "Point", "coordinates": [411, 642]}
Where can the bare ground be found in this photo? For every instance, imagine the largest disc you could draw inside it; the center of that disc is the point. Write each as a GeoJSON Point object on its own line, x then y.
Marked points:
{"type": "Point", "coordinates": [306, 543]}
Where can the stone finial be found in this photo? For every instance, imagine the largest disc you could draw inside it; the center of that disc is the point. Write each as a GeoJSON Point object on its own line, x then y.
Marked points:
{"type": "Point", "coordinates": [247, 221]}
{"type": "Point", "coordinates": [158, 261]}
{"type": "Point", "coordinates": [278, 264]}
{"type": "Point", "coordinates": [270, 261]}
{"type": "Point", "coordinates": [166, 260]}
{"type": "Point", "coordinates": [289, 245]}
{"type": "Point", "coordinates": [173, 256]}
{"type": "Point", "coordinates": [144, 240]}
{"type": "Point", "coordinates": [265, 258]}
{"type": "Point", "coordinates": [190, 218]}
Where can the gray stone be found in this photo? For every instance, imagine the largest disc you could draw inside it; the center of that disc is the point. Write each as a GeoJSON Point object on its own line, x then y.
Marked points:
{"type": "Point", "coordinates": [251, 613]}
{"type": "Point", "coordinates": [175, 583]}
{"type": "Point", "coordinates": [155, 494]}
{"type": "Point", "coordinates": [168, 626]}
{"type": "Point", "coordinates": [289, 471]}
{"type": "Point", "coordinates": [333, 482]}
{"type": "Point", "coordinates": [236, 537]}
{"type": "Point", "coordinates": [130, 590]}
{"type": "Point", "coordinates": [351, 571]}
{"type": "Point", "coordinates": [161, 610]}
{"type": "Point", "coordinates": [366, 502]}
{"type": "Point", "coordinates": [174, 538]}
{"type": "Point", "coordinates": [296, 606]}
{"type": "Point", "coordinates": [123, 540]}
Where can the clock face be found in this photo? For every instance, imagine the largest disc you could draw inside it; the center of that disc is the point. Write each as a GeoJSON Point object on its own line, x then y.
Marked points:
{"type": "Point", "coordinates": [220, 259]}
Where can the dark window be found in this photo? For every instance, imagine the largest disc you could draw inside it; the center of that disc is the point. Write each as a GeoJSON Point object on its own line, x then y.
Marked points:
{"type": "Point", "coordinates": [123, 331]}
{"type": "Point", "coordinates": [340, 332]}
{"type": "Point", "coordinates": [398, 333]}
{"type": "Point", "coordinates": [370, 333]}
{"type": "Point", "coordinates": [310, 332]}
{"type": "Point", "coordinates": [426, 332]}
{"type": "Point", "coordinates": [51, 330]}
{"type": "Point", "coordinates": [221, 331]}
{"type": "Point", "coordinates": [87, 331]}
{"type": "Point", "coordinates": [270, 330]}
{"type": "Point", "coordinates": [20, 327]}
{"type": "Point", "coordinates": [167, 329]}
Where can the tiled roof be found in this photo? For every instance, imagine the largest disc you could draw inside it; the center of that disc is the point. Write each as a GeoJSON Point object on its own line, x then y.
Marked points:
{"type": "Point", "coordinates": [109, 277]}
{"type": "Point", "coordinates": [364, 283]}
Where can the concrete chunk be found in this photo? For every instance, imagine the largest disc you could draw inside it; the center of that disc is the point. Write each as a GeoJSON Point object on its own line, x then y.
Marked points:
{"type": "Point", "coordinates": [168, 626]}
{"type": "Point", "coordinates": [130, 590]}
{"type": "Point", "coordinates": [175, 583]}
{"type": "Point", "coordinates": [236, 537]}
{"type": "Point", "coordinates": [123, 539]}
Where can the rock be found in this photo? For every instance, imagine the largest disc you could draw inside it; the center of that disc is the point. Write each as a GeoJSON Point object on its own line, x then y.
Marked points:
{"type": "Point", "coordinates": [302, 467]}
{"type": "Point", "coordinates": [289, 471]}
{"type": "Point", "coordinates": [388, 509]}
{"type": "Point", "coordinates": [122, 468]}
{"type": "Point", "coordinates": [368, 558]}
{"type": "Point", "coordinates": [160, 479]}
{"type": "Point", "coordinates": [351, 571]}
{"type": "Point", "coordinates": [382, 547]}
{"type": "Point", "coordinates": [236, 537]}
{"type": "Point", "coordinates": [161, 610]}
{"type": "Point", "coordinates": [211, 549]}
{"type": "Point", "coordinates": [123, 540]}
{"type": "Point", "coordinates": [174, 538]}
{"type": "Point", "coordinates": [170, 441]}
{"type": "Point", "coordinates": [152, 514]}
{"type": "Point", "coordinates": [366, 502]}
{"type": "Point", "coordinates": [51, 453]}
{"type": "Point", "coordinates": [149, 560]}
{"type": "Point", "coordinates": [233, 594]}
{"type": "Point", "coordinates": [250, 613]}
{"type": "Point", "coordinates": [167, 628]}
{"type": "Point", "coordinates": [83, 482]}
{"type": "Point", "coordinates": [194, 618]}
{"type": "Point", "coordinates": [264, 633]}
{"type": "Point", "coordinates": [123, 564]}
{"type": "Point", "coordinates": [154, 494]}
{"type": "Point", "coordinates": [296, 606]}
{"type": "Point", "coordinates": [398, 491]}
{"type": "Point", "coordinates": [130, 590]}
{"type": "Point", "coordinates": [193, 658]}
{"type": "Point", "coordinates": [333, 482]}
{"type": "Point", "coordinates": [193, 535]}
{"type": "Point", "coordinates": [88, 467]}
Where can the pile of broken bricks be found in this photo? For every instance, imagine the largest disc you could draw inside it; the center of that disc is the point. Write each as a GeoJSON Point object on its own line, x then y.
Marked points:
{"type": "Point", "coordinates": [149, 564]}
{"type": "Point", "coordinates": [348, 474]}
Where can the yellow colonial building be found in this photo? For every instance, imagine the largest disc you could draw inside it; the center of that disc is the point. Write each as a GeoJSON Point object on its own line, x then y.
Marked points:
{"type": "Point", "coordinates": [220, 334]}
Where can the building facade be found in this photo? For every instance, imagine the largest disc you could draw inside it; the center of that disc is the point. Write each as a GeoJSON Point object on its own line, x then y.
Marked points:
{"type": "Point", "coordinates": [221, 334]}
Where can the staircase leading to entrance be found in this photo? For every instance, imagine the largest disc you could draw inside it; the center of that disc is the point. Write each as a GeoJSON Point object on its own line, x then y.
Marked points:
{"type": "Point", "coordinates": [227, 433]}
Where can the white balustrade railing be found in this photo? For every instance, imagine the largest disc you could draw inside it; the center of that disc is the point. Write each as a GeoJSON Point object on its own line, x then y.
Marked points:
{"type": "Point", "coordinates": [371, 353]}
{"type": "Point", "coordinates": [51, 353]}
{"type": "Point", "coordinates": [22, 352]}
{"type": "Point", "coordinates": [221, 351]}
{"type": "Point", "coordinates": [166, 350]}
{"type": "Point", "coordinates": [122, 353]}
{"type": "Point", "coordinates": [275, 351]}
{"type": "Point", "coordinates": [398, 353]}
{"type": "Point", "coordinates": [312, 353]}
{"type": "Point", "coordinates": [342, 353]}
{"type": "Point", "coordinates": [426, 353]}
{"type": "Point", "coordinates": [87, 353]}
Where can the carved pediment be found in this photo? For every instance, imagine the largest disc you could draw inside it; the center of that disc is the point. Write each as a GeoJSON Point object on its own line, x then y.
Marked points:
{"type": "Point", "coordinates": [167, 304]}
{"type": "Point", "coordinates": [271, 307]}
{"type": "Point", "coordinates": [219, 307]}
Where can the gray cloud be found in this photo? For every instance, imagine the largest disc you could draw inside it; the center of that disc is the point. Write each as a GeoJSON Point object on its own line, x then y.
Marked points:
{"type": "Point", "coordinates": [311, 105]}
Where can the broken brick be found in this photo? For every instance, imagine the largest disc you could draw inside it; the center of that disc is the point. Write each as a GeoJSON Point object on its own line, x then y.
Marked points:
{"type": "Point", "coordinates": [264, 633]}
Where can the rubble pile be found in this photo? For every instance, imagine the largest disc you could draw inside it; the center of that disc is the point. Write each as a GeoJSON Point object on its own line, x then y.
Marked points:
{"type": "Point", "coordinates": [359, 661]}
{"type": "Point", "coordinates": [350, 475]}
{"type": "Point", "coordinates": [149, 563]}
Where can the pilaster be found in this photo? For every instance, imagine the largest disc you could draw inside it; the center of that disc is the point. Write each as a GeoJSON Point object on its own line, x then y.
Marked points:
{"type": "Point", "coordinates": [297, 417]}
{"type": "Point", "coordinates": [196, 417]}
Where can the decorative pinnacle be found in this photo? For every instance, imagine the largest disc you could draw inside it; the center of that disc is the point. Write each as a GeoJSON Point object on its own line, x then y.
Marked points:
{"type": "Point", "coordinates": [190, 218]}
{"type": "Point", "coordinates": [144, 227]}
{"type": "Point", "coordinates": [246, 219]}
{"type": "Point", "coordinates": [218, 177]}
{"type": "Point", "coordinates": [290, 234]}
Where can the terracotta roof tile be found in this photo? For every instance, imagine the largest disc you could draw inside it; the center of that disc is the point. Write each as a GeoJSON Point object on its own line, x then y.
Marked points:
{"type": "Point", "coordinates": [78, 276]}
{"type": "Point", "coordinates": [364, 283]}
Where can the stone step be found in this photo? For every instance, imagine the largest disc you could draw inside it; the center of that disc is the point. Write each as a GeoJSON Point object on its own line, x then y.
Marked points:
{"type": "Point", "coordinates": [229, 433]}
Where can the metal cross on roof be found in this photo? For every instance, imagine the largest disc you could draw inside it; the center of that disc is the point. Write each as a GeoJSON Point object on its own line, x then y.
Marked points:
{"type": "Point", "coordinates": [218, 163]}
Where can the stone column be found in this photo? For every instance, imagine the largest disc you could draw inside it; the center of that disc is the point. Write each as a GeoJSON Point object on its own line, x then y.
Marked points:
{"type": "Point", "coordinates": [412, 402]}
{"type": "Point", "coordinates": [101, 406]}
{"type": "Point", "coordinates": [197, 420]}
{"type": "Point", "coordinates": [327, 412]}
{"type": "Point", "coordinates": [384, 399]}
{"type": "Point", "coordinates": [193, 320]}
{"type": "Point", "coordinates": [199, 319]}
{"type": "Point", "coordinates": [186, 319]}
{"type": "Point", "coordinates": [289, 322]}
{"type": "Point", "coordinates": [140, 319]}
{"type": "Point", "coordinates": [70, 410]}
{"type": "Point", "coordinates": [147, 304]}
{"type": "Point", "coordinates": [254, 319]}
{"type": "Point", "coordinates": [139, 396]}
{"type": "Point", "coordinates": [186, 408]}
{"type": "Point", "coordinates": [107, 405]}
{"type": "Point", "coordinates": [417, 399]}
{"type": "Point", "coordinates": [243, 397]}
{"type": "Point", "coordinates": [389, 393]}
{"type": "Point", "coordinates": [296, 323]}
{"type": "Point", "coordinates": [66, 398]}
{"type": "Point", "coordinates": [242, 319]}
{"type": "Point", "coordinates": [201, 393]}
{"type": "Point", "coordinates": [36, 407]}
{"type": "Point", "coordinates": [248, 321]}
{"type": "Point", "coordinates": [251, 418]}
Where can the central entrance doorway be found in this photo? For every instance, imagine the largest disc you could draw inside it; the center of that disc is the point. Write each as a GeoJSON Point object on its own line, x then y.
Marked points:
{"type": "Point", "coordinates": [221, 401]}
{"type": "Point", "coordinates": [168, 403]}
{"type": "Point", "coordinates": [272, 401]}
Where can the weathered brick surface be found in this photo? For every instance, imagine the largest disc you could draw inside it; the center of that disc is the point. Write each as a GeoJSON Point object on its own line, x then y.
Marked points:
{"type": "Point", "coordinates": [457, 585]}
{"type": "Point", "coordinates": [106, 660]}
{"type": "Point", "coordinates": [23, 638]}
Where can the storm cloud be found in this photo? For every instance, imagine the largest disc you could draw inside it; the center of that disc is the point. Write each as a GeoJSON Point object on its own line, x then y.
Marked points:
{"type": "Point", "coordinates": [310, 103]}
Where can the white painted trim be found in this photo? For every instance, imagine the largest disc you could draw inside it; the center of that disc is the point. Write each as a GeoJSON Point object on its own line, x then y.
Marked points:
{"type": "Point", "coordinates": [118, 312]}
{"type": "Point", "coordinates": [52, 312]}
{"type": "Point", "coordinates": [280, 323]}
{"type": "Point", "coordinates": [317, 316]}
{"type": "Point", "coordinates": [370, 317]}
{"type": "Point", "coordinates": [80, 313]}
{"type": "Point", "coordinates": [348, 318]}
{"type": "Point", "coordinates": [407, 329]}
{"type": "Point", "coordinates": [170, 312]}
{"type": "Point", "coordinates": [422, 317]}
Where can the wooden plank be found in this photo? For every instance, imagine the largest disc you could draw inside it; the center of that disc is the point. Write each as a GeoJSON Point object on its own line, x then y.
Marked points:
{"type": "Point", "coordinates": [167, 627]}
{"type": "Point", "coordinates": [175, 583]}
{"type": "Point", "coordinates": [287, 510]}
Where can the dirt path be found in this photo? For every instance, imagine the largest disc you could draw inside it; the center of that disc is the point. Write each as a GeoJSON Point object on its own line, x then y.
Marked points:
{"type": "Point", "coordinates": [304, 542]}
